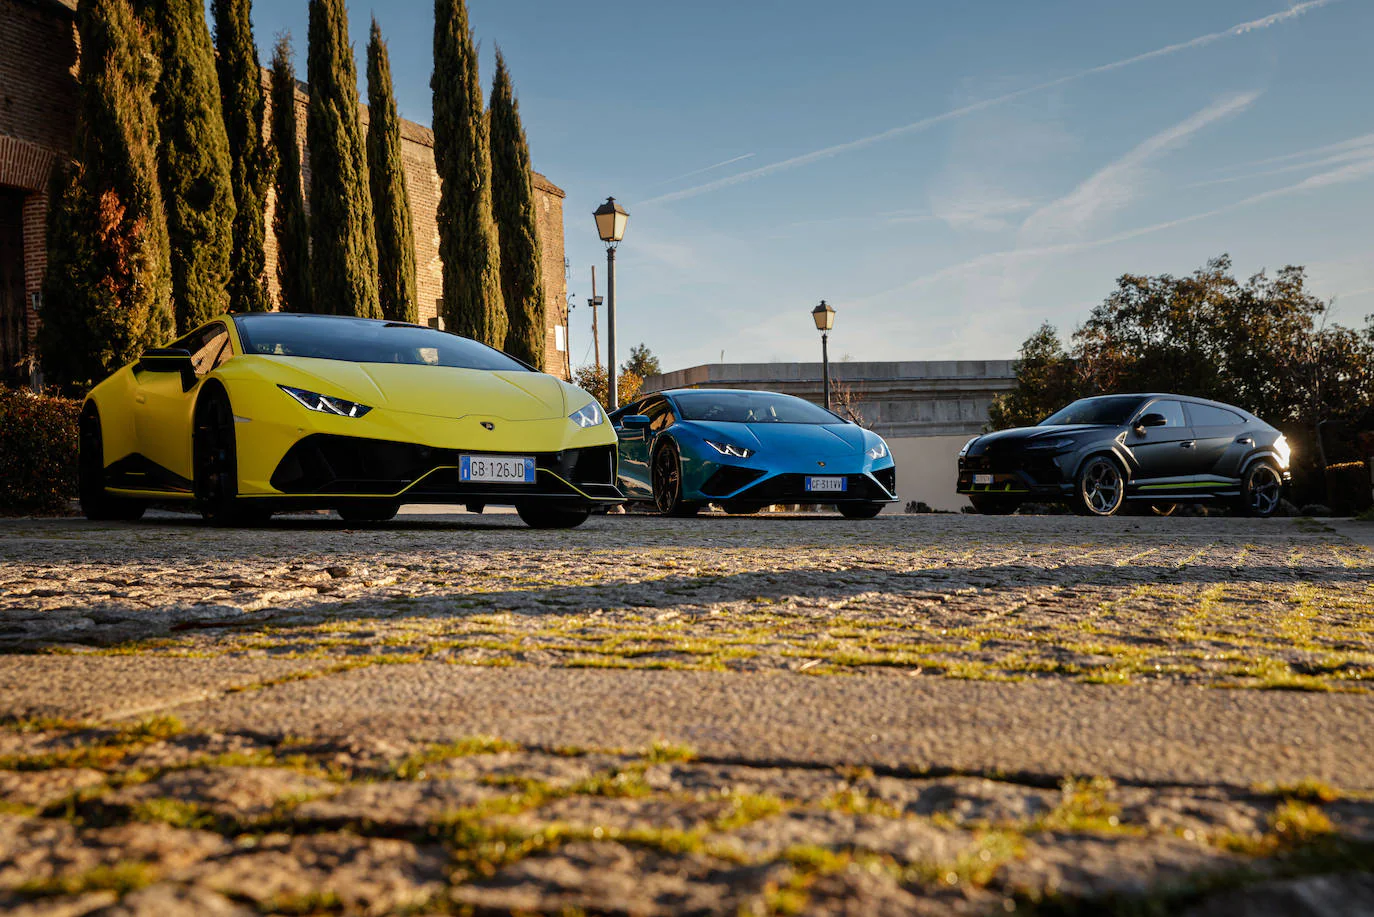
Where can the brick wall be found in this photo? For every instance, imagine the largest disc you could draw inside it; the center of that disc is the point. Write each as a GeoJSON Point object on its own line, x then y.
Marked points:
{"type": "Point", "coordinates": [38, 72]}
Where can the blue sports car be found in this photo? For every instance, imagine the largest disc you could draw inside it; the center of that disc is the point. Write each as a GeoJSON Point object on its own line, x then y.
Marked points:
{"type": "Point", "coordinates": [745, 450]}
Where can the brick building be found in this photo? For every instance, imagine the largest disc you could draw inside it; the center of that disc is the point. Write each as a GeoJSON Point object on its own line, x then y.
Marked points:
{"type": "Point", "coordinates": [38, 65]}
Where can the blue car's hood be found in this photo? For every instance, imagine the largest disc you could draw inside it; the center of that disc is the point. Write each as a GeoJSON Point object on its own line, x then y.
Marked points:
{"type": "Point", "coordinates": [813, 439]}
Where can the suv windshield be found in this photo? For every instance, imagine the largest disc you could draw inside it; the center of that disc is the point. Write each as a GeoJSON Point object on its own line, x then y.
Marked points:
{"type": "Point", "coordinates": [1109, 411]}
{"type": "Point", "coordinates": [750, 407]}
{"type": "Point", "coordinates": [357, 340]}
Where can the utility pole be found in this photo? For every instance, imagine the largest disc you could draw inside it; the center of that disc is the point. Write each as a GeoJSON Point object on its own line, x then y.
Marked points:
{"type": "Point", "coordinates": [595, 301]}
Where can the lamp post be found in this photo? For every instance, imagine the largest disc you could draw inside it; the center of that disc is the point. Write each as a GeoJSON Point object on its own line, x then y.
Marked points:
{"type": "Point", "coordinates": [610, 226]}
{"type": "Point", "coordinates": [824, 317]}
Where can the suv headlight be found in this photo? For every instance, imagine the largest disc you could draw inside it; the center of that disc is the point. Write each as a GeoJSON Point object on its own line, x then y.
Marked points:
{"type": "Point", "coordinates": [730, 449]}
{"type": "Point", "coordinates": [878, 451]}
{"type": "Point", "coordinates": [1283, 450]}
{"type": "Point", "coordinates": [964, 451]}
{"type": "Point", "coordinates": [326, 404]}
{"type": "Point", "coordinates": [590, 416]}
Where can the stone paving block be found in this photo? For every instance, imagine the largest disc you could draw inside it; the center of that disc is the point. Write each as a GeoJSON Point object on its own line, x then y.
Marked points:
{"type": "Point", "coordinates": [245, 793]}
{"type": "Point", "coordinates": [610, 878]}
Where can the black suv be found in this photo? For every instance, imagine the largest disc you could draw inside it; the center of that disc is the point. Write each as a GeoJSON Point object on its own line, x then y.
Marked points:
{"type": "Point", "coordinates": [1155, 451]}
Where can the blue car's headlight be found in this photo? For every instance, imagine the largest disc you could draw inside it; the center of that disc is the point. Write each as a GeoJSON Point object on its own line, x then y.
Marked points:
{"type": "Point", "coordinates": [326, 404]}
{"type": "Point", "coordinates": [590, 416]}
{"type": "Point", "coordinates": [878, 451]}
{"type": "Point", "coordinates": [1050, 445]}
{"type": "Point", "coordinates": [730, 449]}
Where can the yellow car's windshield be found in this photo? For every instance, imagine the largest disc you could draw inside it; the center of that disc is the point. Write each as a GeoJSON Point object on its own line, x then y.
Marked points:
{"type": "Point", "coordinates": [358, 340]}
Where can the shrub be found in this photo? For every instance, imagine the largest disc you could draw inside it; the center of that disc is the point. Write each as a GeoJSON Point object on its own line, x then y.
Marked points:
{"type": "Point", "coordinates": [38, 445]}
{"type": "Point", "coordinates": [1348, 488]}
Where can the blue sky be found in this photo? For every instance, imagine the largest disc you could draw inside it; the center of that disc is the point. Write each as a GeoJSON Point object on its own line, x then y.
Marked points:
{"type": "Point", "coordinates": [946, 175]}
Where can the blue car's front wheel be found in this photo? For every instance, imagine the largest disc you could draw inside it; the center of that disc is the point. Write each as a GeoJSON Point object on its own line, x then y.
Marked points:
{"type": "Point", "coordinates": [667, 482]}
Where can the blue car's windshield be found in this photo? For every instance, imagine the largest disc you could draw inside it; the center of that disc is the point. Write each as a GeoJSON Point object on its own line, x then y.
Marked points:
{"type": "Point", "coordinates": [1107, 411]}
{"type": "Point", "coordinates": [328, 337]}
{"type": "Point", "coordinates": [750, 407]}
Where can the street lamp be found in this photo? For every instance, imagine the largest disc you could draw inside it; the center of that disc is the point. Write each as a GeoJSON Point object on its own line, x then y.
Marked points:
{"type": "Point", "coordinates": [610, 226]}
{"type": "Point", "coordinates": [824, 316]}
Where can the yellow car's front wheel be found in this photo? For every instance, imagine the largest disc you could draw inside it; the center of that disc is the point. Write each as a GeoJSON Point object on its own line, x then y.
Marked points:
{"type": "Point", "coordinates": [216, 463]}
{"type": "Point", "coordinates": [552, 517]}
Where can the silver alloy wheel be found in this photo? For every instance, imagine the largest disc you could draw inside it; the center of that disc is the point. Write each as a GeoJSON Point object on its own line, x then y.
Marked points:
{"type": "Point", "coordinates": [1265, 490]}
{"type": "Point", "coordinates": [1102, 487]}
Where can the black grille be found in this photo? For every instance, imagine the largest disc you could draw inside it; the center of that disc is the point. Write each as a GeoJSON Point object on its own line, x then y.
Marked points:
{"type": "Point", "coordinates": [350, 465]}
{"type": "Point", "coordinates": [888, 478]}
{"type": "Point", "coordinates": [791, 488]}
{"type": "Point", "coordinates": [729, 479]}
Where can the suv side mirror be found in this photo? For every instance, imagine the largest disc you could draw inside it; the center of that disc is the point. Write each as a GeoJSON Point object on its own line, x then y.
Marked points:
{"type": "Point", "coordinates": [169, 360]}
{"type": "Point", "coordinates": [634, 421]}
{"type": "Point", "coordinates": [1151, 420]}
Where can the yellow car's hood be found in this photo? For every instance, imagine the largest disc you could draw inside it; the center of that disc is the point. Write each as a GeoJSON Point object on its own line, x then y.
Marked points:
{"type": "Point", "coordinates": [433, 391]}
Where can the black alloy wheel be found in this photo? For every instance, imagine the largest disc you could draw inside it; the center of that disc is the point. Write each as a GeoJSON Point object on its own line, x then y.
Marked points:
{"type": "Point", "coordinates": [1261, 490]}
{"type": "Point", "coordinates": [551, 517]}
{"type": "Point", "coordinates": [1100, 488]}
{"type": "Point", "coordinates": [96, 504]}
{"type": "Point", "coordinates": [994, 506]}
{"type": "Point", "coordinates": [667, 477]}
{"type": "Point", "coordinates": [215, 454]}
{"type": "Point", "coordinates": [368, 512]}
{"type": "Point", "coordinates": [859, 510]}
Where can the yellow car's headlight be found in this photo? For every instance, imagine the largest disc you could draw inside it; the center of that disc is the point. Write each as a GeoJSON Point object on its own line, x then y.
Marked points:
{"type": "Point", "coordinates": [326, 404]}
{"type": "Point", "coordinates": [590, 416]}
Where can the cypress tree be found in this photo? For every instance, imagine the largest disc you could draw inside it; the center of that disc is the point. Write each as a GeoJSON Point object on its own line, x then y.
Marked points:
{"type": "Point", "coordinates": [390, 202]}
{"type": "Point", "coordinates": [512, 204]}
{"type": "Point", "coordinates": [193, 160]}
{"type": "Point", "coordinates": [467, 235]}
{"type": "Point", "coordinates": [289, 222]}
{"type": "Point", "coordinates": [343, 258]}
{"type": "Point", "coordinates": [250, 159]}
{"type": "Point", "coordinates": [107, 290]}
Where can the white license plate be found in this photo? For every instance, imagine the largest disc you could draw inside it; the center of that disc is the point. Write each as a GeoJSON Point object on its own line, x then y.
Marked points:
{"type": "Point", "coordinates": [825, 485]}
{"type": "Point", "coordinates": [982, 479]}
{"type": "Point", "coordinates": [501, 469]}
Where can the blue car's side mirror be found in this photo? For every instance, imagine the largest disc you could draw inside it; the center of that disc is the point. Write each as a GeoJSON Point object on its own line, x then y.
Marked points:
{"type": "Point", "coordinates": [634, 421]}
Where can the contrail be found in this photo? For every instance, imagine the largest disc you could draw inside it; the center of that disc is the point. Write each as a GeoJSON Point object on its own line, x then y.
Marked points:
{"type": "Point", "coordinates": [825, 153]}
{"type": "Point", "coordinates": [719, 165]}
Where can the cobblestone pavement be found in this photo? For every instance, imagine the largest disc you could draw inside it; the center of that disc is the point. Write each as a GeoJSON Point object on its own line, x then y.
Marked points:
{"type": "Point", "coordinates": [453, 714]}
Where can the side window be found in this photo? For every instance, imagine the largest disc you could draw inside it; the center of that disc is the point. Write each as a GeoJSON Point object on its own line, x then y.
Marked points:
{"type": "Point", "coordinates": [1172, 411]}
{"type": "Point", "coordinates": [656, 409]}
{"type": "Point", "coordinates": [210, 349]}
{"type": "Point", "coordinates": [1204, 415]}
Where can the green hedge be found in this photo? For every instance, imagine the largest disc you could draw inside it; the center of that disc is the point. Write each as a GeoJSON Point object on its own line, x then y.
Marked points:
{"type": "Point", "coordinates": [38, 445]}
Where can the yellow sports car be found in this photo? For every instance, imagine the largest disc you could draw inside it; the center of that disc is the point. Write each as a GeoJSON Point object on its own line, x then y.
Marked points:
{"type": "Point", "coordinates": [269, 412]}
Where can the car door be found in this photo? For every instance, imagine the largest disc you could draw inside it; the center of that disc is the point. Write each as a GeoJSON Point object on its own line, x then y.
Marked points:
{"type": "Point", "coordinates": [1222, 442]}
{"type": "Point", "coordinates": [633, 446]}
{"type": "Point", "coordinates": [164, 407]}
{"type": "Point", "coordinates": [1165, 454]}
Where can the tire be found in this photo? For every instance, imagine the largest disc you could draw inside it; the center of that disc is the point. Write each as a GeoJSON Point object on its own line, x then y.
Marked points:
{"type": "Point", "coordinates": [551, 517]}
{"type": "Point", "coordinates": [215, 452]}
{"type": "Point", "coordinates": [96, 504]}
{"type": "Point", "coordinates": [741, 509]}
{"type": "Point", "coordinates": [859, 510]}
{"type": "Point", "coordinates": [1100, 488]}
{"type": "Point", "coordinates": [667, 482]}
{"type": "Point", "coordinates": [1261, 488]}
{"type": "Point", "coordinates": [367, 512]}
{"type": "Point", "coordinates": [994, 506]}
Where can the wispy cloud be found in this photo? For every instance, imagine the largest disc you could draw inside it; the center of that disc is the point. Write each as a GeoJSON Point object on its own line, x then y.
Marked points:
{"type": "Point", "coordinates": [992, 260]}
{"type": "Point", "coordinates": [979, 210]}
{"type": "Point", "coordinates": [1243, 28]}
{"type": "Point", "coordinates": [1363, 140]}
{"type": "Point", "coordinates": [1351, 150]}
{"type": "Point", "coordinates": [1117, 184]}
{"type": "Point", "coordinates": [719, 165]}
